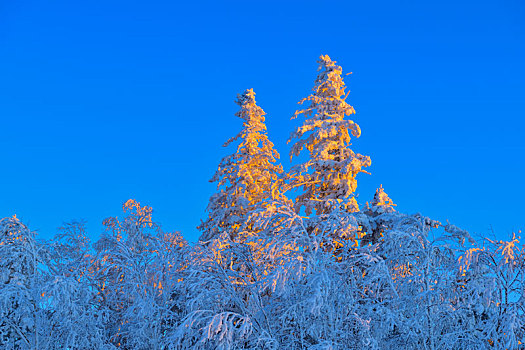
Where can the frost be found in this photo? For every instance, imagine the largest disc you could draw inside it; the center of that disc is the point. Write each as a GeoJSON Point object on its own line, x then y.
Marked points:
{"type": "Point", "coordinates": [329, 176]}
{"type": "Point", "coordinates": [244, 178]}
{"type": "Point", "coordinates": [271, 270]}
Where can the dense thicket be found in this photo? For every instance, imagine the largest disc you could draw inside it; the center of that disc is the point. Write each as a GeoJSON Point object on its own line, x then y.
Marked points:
{"type": "Point", "coordinates": [286, 260]}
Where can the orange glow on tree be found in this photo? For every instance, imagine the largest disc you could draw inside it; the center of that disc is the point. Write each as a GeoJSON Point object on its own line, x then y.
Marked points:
{"type": "Point", "coordinates": [328, 178]}
{"type": "Point", "coordinates": [245, 178]}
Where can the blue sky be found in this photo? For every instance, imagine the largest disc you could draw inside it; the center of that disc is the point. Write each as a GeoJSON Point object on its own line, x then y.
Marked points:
{"type": "Point", "coordinates": [102, 101]}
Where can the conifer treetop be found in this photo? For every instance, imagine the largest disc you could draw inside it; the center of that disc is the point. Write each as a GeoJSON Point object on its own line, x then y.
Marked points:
{"type": "Point", "coordinates": [245, 178]}
{"type": "Point", "coordinates": [329, 177]}
{"type": "Point", "coordinates": [382, 202]}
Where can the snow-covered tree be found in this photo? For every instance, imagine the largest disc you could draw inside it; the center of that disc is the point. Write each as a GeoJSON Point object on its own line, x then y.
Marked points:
{"type": "Point", "coordinates": [315, 295]}
{"type": "Point", "coordinates": [19, 282]}
{"type": "Point", "coordinates": [226, 309]}
{"type": "Point", "coordinates": [374, 227]}
{"type": "Point", "coordinates": [265, 276]}
{"type": "Point", "coordinates": [244, 178]}
{"type": "Point", "coordinates": [491, 293]}
{"type": "Point", "coordinates": [46, 301]}
{"type": "Point", "coordinates": [70, 252]}
{"type": "Point", "coordinates": [329, 175]}
{"type": "Point", "coordinates": [136, 272]}
{"type": "Point", "coordinates": [72, 318]}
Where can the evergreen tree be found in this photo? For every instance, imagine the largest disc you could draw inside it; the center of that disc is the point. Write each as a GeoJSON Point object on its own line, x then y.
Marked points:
{"type": "Point", "coordinates": [245, 178]}
{"type": "Point", "coordinates": [267, 276]}
{"type": "Point", "coordinates": [381, 204]}
{"type": "Point", "coordinates": [329, 176]}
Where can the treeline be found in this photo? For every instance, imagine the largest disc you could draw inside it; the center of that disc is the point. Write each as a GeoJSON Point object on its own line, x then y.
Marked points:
{"type": "Point", "coordinates": [286, 260]}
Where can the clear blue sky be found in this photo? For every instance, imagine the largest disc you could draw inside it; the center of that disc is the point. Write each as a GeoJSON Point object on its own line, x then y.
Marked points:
{"type": "Point", "coordinates": [101, 101]}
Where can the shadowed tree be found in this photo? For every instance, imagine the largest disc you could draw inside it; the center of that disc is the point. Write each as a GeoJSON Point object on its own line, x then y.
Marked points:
{"type": "Point", "coordinates": [381, 204]}
{"type": "Point", "coordinates": [136, 272]}
{"type": "Point", "coordinates": [19, 277]}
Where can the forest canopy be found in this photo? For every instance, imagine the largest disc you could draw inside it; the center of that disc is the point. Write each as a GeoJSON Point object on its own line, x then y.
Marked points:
{"type": "Point", "coordinates": [287, 259]}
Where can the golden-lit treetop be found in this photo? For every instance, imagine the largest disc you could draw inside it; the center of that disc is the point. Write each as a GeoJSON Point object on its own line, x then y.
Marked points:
{"type": "Point", "coordinates": [329, 176]}
{"type": "Point", "coordinates": [244, 178]}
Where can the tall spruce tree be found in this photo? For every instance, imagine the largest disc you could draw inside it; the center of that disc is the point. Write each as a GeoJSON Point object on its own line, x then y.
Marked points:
{"type": "Point", "coordinates": [245, 178]}
{"type": "Point", "coordinates": [329, 176]}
